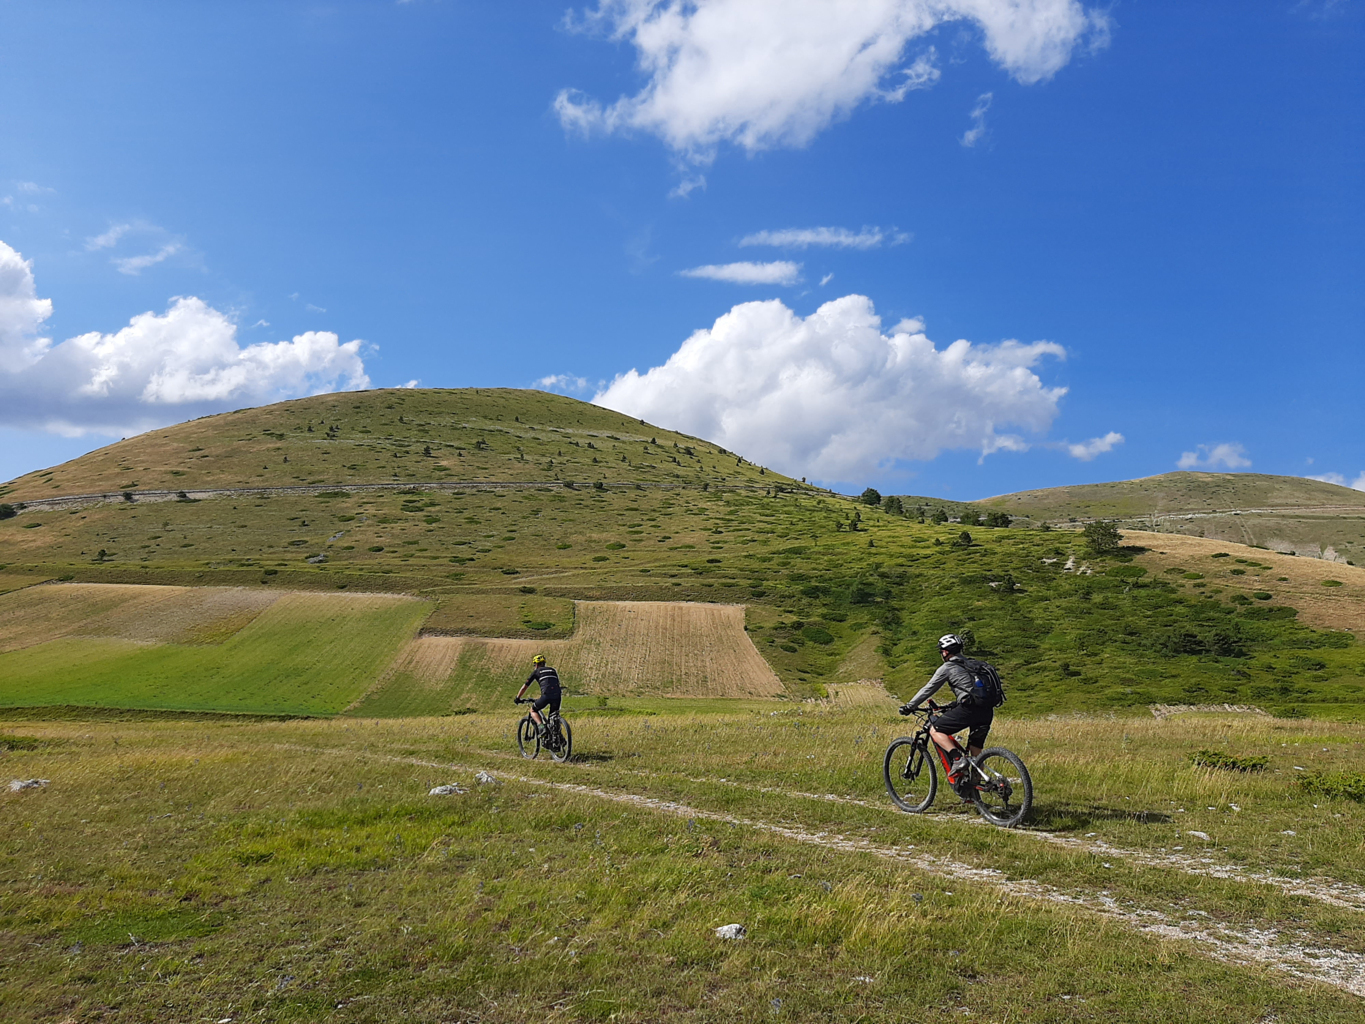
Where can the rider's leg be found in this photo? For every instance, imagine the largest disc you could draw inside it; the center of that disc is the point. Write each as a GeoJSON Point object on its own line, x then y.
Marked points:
{"type": "Point", "coordinates": [535, 717]}
{"type": "Point", "coordinates": [944, 740]}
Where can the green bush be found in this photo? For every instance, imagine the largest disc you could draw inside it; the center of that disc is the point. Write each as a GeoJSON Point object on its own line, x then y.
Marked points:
{"type": "Point", "coordinates": [1341, 785]}
{"type": "Point", "coordinates": [1228, 762]}
{"type": "Point", "coordinates": [7, 511]}
{"type": "Point", "coordinates": [818, 635]}
{"type": "Point", "coordinates": [1102, 537]}
{"type": "Point", "coordinates": [871, 496]}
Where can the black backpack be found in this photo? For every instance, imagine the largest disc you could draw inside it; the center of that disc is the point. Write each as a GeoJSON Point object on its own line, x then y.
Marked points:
{"type": "Point", "coordinates": [987, 689]}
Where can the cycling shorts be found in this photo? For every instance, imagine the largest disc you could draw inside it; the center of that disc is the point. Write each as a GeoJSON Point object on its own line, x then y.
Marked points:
{"type": "Point", "coordinates": [956, 717]}
{"type": "Point", "coordinates": [550, 700]}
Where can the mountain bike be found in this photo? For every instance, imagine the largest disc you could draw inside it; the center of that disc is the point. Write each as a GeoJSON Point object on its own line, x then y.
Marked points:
{"type": "Point", "coordinates": [996, 781]}
{"type": "Point", "coordinates": [555, 735]}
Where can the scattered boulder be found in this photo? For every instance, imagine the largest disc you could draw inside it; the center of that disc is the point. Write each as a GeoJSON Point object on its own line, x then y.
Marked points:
{"type": "Point", "coordinates": [731, 931]}
{"type": "Point", "coordinates": [17, 784]}
{"type": "Point", "coordinates": [1198, 835]}
{"type": "Point", "coordinates": [483, 777]}
{"type": "Point", "coordinates": [449, 790]}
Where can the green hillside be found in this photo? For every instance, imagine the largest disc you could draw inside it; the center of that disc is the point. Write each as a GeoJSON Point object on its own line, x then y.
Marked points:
{"type": "Point", "coordinates": [836, 590]}
{"type": "Point", "coordinates": [399, 436]}
{"type": "Point", "coordinates": [1283, 513]}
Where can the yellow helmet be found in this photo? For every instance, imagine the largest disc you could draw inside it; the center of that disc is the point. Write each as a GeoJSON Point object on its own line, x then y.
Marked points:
{"type": "Point", "coordinates": [539, 659]}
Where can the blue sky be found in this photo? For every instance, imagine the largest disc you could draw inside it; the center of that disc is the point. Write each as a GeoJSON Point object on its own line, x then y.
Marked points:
{"type": "Point", "coordinates": [1161, 203]}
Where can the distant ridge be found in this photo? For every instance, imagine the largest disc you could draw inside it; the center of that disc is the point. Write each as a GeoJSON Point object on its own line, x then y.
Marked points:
{"type": "Point", "coordinates": [1284, 513]}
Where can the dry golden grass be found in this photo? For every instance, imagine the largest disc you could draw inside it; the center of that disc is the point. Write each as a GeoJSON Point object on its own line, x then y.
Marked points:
{"type": "Point", "coordinates": [869, 693]}
{"type": "Point", "coordinates": [642, 648]}
{"type": "Point", "coordinates": [9, 584]}
{"type": "Point", "coordinates": [1328, 607]}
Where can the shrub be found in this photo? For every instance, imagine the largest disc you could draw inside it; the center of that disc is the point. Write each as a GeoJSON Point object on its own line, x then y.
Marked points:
{"type": "Point", "coordinates": [1261, 595]}
{"type": "Point", "coordinates": [970, 518]}
{"type": "Point", "coordinates": [1102, 537]}
{"type": "Point", "coordinates": [1341, 785]}
{"type": "Point", "coordinates": [964, 539]}
{"type": "Point", "coordinates": [998, 519]}
{"type": "Point", "coordinates": [1331, 583]}
{"type": "Point", "coordinates": [377, 547]}
{"type": "Point", "coordinates": [615, 545]}
{"type": "Point", "coordinates": [818, 635]}
{"type": "Point", "coordinates": [528, 590]}
{"type": "Point", "coordinates": [939, 516]}
{"type": "Point", "coordinates": [1228, 762]}
{"type": "Point", "coordinates": [871, 496]}
{"type": "Point", "coordinates": [893, 504]}
{"type": "Point", "coordinates": [7, 511]}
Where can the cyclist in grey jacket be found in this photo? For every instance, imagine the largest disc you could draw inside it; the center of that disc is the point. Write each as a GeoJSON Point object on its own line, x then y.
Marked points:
{"type": "Point", "coordinates": [964, 712]}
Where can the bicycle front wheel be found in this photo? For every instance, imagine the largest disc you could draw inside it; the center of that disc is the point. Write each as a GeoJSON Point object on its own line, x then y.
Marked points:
{"type": "Point", "coordinates": [1003, 789]}
{"type": "Point", "coordinates": [528, 738]}
{"type": "Point", "coordinates": [910, 776]}
{"type": "Point", "coordinates": [565, 738]}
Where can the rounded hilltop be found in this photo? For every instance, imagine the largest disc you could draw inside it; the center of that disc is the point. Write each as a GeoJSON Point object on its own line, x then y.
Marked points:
{"type": "Point", "coordinates": [399, 436]}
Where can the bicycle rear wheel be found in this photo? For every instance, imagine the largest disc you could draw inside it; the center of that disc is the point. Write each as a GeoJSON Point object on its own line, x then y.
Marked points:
{"type": "Point", "coordinates": [910, 776]}
{"type": "Point", "coordinates": [565, 737]}
{"type": "Point", "coordinates": [1005, 796]}
{"type": "Point", "coordinates": [528, 738]}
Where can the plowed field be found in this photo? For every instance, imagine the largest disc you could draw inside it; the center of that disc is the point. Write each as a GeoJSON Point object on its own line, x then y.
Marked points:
{"type": "Point", "coordinates": [620, 648]}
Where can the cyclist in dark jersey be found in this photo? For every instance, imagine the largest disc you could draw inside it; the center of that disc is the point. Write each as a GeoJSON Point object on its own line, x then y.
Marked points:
{"type": "Point", "coordinates": [549, 697]}
{"type": "Point", "coordinates": [963, 713]}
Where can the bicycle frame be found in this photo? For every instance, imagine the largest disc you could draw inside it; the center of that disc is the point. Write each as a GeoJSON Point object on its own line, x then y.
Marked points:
{"type": "Point", "coordinates": [922, 738]}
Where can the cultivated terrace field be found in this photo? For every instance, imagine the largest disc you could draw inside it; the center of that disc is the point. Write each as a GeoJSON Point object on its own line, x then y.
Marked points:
{"type": "Point", "coordinates": [231, 688]}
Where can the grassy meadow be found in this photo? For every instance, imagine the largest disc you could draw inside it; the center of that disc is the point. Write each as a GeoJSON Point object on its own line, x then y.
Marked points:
{"type": "Point", "coordinates": [206, 869]}
{"type": "Point", "coordinates": [831, 598]}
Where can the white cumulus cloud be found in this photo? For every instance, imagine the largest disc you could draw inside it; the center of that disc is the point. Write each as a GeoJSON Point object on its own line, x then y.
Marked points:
{"type": "Point", "coordinates": [159, 369]}
{"type": "Point", "coordinates": [1211, 456]}
{"type": "Point", "coordinates": [833, 397]}
{"type": "Point", "coordinates": [834, 238]}
{"type": "Point", "coordinates": [777, 272]}
{"type": "Point", "coordinates": [1087, 450]}
{"type": "Point", "coordinates": [765, 73]}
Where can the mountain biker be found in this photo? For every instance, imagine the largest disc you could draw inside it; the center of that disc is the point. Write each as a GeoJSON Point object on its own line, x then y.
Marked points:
{"type": "Point", "coordinates": [964, 713]}
{"type": "Point", "coordinates": [549, 697]}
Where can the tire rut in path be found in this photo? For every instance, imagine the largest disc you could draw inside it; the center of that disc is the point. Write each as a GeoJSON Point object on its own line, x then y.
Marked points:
{"type": "Point", "coordinates": [1267, 947]}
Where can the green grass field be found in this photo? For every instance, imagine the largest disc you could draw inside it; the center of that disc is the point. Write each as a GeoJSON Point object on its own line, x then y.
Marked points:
{"type": "Point", "coordinates": [298, 871]}
{"type": "Point", "coordinates": [303, 655]}
{"type": "Point", "coordinates": [832, 598]}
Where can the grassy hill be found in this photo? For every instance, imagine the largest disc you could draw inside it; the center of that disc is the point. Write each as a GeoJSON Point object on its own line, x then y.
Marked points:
{"type": "Point", "coordinates": [836, 591]}
{"type": "Point", "coordinates": [1283, 513]}
{"type": "Point", "coordinates": [396, 436]}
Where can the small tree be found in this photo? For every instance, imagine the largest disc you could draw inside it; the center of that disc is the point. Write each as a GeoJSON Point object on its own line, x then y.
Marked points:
{"type": "Point", "coordinates": [969, 517]}
{"type": "Point", "coordinates": [871, 496]}
{"type": "Point", "coordinates": [893, 504]}
{"type": "Point", "coordinates": [1102, 537]}
{"type": "Point", "coordinates": [997, 519]}
{"type": "Point", "coordinates": [7, 511]}
{"type": "Point", "coordinates": [964, 539]}
{"type": "Point", "coordinates": [939, 516]}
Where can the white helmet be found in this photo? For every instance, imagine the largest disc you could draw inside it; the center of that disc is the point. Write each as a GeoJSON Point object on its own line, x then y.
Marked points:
{"type": "Point", "coordinates": [948, 640]}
